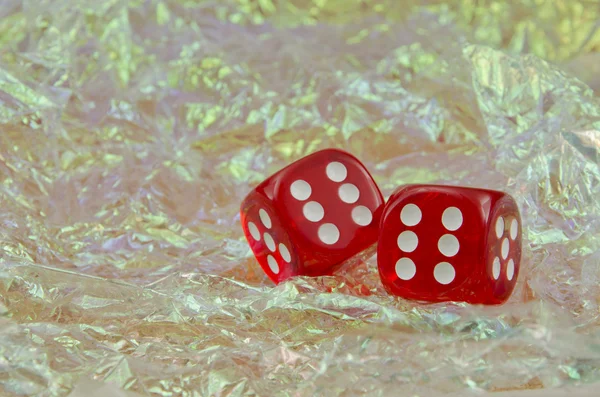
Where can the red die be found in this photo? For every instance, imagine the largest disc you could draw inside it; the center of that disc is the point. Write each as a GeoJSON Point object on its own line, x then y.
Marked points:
{"type": "Point", "coordinates": [311, 216]}
{"type": "Point", "coordinates": [444, 243]}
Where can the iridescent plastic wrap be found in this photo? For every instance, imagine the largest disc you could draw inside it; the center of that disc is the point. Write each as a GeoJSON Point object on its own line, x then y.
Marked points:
{"type": "Point", "coordinates": [130, 131]}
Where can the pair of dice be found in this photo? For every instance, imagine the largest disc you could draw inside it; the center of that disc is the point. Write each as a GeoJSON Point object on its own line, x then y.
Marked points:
{"type": "Point", "coordinates": [434, 242]}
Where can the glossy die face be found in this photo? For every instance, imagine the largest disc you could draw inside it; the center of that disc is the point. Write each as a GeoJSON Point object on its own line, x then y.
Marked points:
{"type": "Point", "coordinates": [503, 256]}
{"type": "Point", "coordinates": [311, 216]}
{"type": "Point", "coordinates": [445, 243]}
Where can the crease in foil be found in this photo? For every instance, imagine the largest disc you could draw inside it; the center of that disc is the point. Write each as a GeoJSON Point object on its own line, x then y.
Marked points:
{"type": "Point", "coordinates": [130, 131]}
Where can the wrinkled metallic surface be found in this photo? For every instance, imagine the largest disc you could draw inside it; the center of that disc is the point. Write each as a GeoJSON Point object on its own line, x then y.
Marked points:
{"type": "Point", "coordinates": [131, 131]}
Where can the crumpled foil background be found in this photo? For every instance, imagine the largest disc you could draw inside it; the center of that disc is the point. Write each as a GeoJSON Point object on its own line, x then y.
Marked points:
{"type": "Point", "coordinates": [131, 130]}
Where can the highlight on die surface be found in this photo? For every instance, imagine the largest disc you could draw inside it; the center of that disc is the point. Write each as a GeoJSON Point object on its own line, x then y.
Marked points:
{"type": "Point", "coordinates": [446, 243]}
{"type": "Point", "coordinates": [311, 216]}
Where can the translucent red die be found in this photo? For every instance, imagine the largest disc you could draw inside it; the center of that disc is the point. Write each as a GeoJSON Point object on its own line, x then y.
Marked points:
{"type": "Point", "coordinates": [445, 243]}
{"type": "Point", "coordinates": [313, 215]}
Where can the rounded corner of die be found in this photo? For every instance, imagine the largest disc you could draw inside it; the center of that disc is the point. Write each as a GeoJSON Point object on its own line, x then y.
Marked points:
{"type": "Point", "coordinates": [514, 205]}
{"type": "Point", "coordinates": [247, 202]}
{"type": "Point", "coordinates": [508, 208]}
{"type": "Point", "coordinates": [507, 202]}
{"type": "Point", "coordinates": [275, 278]}
{"type": "Point", "coordinates": [334, 151]}
{"type": "Point", "coordinates": [399, 196]}
{"type": "Point", "coordinates": [403, 191]}
{"type": "Point", "coordinates": [384, 216]}
{"type": "Point", "coordinates": [327, 154]}
{"type": "Point", "coordinates": [341, 155]}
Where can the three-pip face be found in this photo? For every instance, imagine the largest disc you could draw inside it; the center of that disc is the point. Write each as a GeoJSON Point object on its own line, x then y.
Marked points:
{"type": "Point", "coordinates": [446, 243]}
{"type": "Point", "coordinates": [311, 216]}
